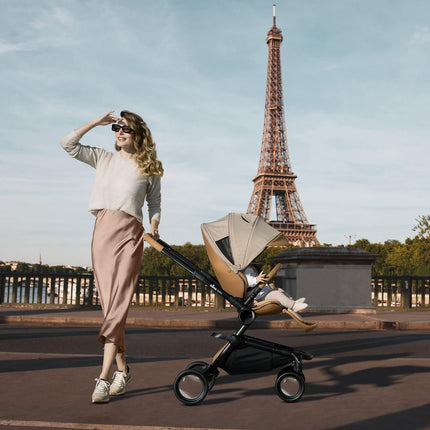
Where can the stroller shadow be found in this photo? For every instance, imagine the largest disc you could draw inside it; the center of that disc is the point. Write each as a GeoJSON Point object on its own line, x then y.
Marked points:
{"type": "Point", "coordinates": [373, 376]}
{"type": "Point", "coordinates": [411, 419]}
{"type": "Point", "coordinates": [335, 384]}
{"type": "Point", "coordinates": [72, 362]}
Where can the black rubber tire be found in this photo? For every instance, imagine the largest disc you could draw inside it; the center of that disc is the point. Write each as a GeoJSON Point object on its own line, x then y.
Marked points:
{"type": "Point", "coordinates": [290, 386]}
{"type": "Point", "coordinates": [190, 387]}
{"type": "Point", "coordinates": [201, 366]}
{"type": "Point", "coordinates": [290, 368]}
{"type": "Point", "coordinates": [197, 365]}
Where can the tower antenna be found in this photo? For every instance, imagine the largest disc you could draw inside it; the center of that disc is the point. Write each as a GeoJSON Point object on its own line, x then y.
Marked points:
{"type": "Point", "coordinates": [274, 15]}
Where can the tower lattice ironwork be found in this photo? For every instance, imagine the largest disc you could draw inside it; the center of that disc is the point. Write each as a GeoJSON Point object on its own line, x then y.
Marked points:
{"type": "Point", "coordinates": [275, 197]}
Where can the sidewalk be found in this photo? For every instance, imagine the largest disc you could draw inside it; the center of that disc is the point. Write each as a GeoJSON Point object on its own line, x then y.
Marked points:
{"type": "Point", "coordinates": [364, 379]}
{"type": "Point", "coordinates": [212, 319]}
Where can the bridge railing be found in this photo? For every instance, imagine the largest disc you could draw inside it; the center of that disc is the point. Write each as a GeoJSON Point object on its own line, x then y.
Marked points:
{"type": "Point", "coordinates": [404, 292]}
{"type": "Point", "coordinates": [399, 292]}
{"type": "Point", "coordinates": [72, 289]}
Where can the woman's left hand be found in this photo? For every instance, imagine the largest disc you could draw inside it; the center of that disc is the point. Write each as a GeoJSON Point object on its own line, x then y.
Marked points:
{"type": "Point", "coordinates": [154, 233]}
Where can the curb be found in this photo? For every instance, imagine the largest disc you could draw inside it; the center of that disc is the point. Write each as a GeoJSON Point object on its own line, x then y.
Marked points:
{"type": "Point", "coordinates": [216, 324]}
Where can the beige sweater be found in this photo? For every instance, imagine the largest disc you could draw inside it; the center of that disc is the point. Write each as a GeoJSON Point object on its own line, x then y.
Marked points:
{"type": "Point", "coordinates": [118, 184]}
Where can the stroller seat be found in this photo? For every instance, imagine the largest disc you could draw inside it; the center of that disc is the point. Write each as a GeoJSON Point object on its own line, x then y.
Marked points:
{"type": "Point", "coordinates": [236, 284]}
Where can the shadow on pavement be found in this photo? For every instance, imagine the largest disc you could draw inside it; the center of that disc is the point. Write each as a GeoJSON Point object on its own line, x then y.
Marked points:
{"type": "Point", "coordinates": [412, 419]}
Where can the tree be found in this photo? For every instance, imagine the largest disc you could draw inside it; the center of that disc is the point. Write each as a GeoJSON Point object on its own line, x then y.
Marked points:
{"type": "Point", "coordinates": [423, 227]}
{"type": "Point", "coordinates": [264, 259]}
{"type": "Point", "coordinates": [393, 257]}
{"type": "Point", "coordinates": [398, 259]}
{"type": "Point", "coordinates": [419, 255]}
{"type": "Point", "coordinates": [155, 263]}
{"type": "Point", "coordinates": [378, 249]}
{"type": "Point", "coordinates": [22, 267]}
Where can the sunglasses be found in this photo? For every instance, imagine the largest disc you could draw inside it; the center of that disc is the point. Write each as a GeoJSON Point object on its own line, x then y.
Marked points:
{"type": "Point", "coordinates": [125, 128]}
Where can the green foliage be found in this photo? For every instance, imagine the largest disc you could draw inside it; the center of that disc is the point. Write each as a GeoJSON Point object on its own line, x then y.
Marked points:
{"type": "Point", "coordinates": [264, 259]}
{"type": "Point", "coordinates": [396, 258]}
{"type": "Point", "coordinates": [423, 227]}
{"type": "Point", "coordinates": [393, 257]}
{"type": "Point", "coordinates": [43, 269]}
{"type": "Point", "coordinates": [22, 268]}
{"type": "Point", "coordinates": [155, 263]}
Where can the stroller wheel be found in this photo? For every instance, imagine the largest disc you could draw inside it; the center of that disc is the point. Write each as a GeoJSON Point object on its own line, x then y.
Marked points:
{"type": "Point", "coordinates": [290, 368]}
{"type": "Point", "coordinates": [290, 386]}
{"type": "Point", "coordinates": [201, 366]}
{"type": "Point", "coordinates": [190, 387]}
{"type": "Point", "coordinates": [197, 365]}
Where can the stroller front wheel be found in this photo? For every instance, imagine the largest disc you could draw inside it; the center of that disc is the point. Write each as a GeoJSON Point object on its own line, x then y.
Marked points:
{"type": "Point", "coordinates": [290, 386]}
{"type": "Point", "coordinates": [195, 364]}
{"type": "Point", "coordinates": [290, 368]}
{"type": "Point", "coordinates": [202, 366]}
{"type": "Point", "coordinates": [190, 387]}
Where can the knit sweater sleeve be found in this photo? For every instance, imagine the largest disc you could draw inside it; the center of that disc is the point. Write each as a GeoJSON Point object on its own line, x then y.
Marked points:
{"type": "Point", "coordinates": [153, 198]}
{"type": "Point", "coordinates": [86, 154]}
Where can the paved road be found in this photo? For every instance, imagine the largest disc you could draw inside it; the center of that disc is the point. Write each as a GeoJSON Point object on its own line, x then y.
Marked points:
{"type": "Point", "coordinates": [358, 380]}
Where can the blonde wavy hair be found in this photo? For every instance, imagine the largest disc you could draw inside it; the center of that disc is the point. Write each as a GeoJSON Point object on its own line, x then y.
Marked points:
{"type": "Point", "coordinates": [145, 155]}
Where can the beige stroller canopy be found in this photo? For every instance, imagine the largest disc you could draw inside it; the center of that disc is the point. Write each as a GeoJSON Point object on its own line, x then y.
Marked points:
{"type": "Point", "coordinates": [239, 238]}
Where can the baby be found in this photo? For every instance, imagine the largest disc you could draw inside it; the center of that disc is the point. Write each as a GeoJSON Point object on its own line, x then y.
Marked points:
{"type": "Point", "coordinates": [267, 293]}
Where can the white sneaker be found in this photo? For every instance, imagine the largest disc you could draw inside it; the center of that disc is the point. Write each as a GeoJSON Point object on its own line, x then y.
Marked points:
{"type": "Point", "coordinates": [101, 391]}
{"type": "Point", "coordinates": [299, 306]}
{"type": "Point", "coordinates": [119, 382]}
{"type": "Point", "coordinates": [301, 300]}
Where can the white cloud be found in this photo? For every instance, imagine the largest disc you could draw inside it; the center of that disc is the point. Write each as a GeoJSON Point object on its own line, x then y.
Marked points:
{"type": "Point", "coordinates": [421, 36]}
{"type": "Point", "coordinates": [7, 47]}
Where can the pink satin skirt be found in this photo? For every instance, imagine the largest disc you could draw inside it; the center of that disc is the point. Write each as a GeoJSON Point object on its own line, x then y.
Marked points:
{"type": "Point", "coordinates": [116, 250]}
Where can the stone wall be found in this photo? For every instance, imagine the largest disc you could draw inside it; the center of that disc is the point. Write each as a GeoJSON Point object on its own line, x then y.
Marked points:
{"type": "Point", "coordinates": [335, 279]}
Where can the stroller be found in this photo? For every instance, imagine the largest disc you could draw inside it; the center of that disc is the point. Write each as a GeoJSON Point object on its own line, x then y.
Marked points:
{"type": "Point", "coordinates": [232, 243]}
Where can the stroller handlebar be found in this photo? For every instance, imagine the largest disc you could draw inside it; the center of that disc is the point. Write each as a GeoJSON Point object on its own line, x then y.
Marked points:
{"type": "Point", "coordinates": [245, 313]}
{"type": "Point", "coordinates": [154, 243]}
{"type": "Point", "coordinates": [272, 273]}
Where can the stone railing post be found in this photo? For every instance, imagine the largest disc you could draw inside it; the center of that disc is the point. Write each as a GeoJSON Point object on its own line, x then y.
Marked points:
{"type": "Point", "coordinates": [333, 279]}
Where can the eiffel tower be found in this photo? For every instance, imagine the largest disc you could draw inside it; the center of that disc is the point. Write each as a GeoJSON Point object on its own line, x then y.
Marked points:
{"type": "Point", "coordinates": [275, 197]}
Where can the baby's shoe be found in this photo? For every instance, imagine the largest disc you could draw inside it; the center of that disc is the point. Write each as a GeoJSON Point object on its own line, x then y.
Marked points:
{"type": "Point", "coordinates": [299, 306]}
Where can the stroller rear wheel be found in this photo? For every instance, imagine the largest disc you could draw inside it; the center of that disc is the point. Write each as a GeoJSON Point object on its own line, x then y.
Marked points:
{"type": "Point", "coordinates": [290, 386]}
{"type": "Point", "coordinates": [190, 387]}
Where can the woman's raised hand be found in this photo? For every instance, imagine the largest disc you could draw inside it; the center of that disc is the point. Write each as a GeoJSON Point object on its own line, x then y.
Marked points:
{"type": "Point", "coordinates": [107, 118]}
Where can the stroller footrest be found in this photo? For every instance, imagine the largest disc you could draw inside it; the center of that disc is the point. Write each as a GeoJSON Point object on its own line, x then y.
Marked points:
{"type": "Point", "coordinates": [304, 355]}
{"type": "Point", "coordinates": [234, 340]}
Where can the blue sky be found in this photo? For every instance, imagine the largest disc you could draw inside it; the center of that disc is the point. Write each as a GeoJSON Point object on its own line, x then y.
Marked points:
{"type": "Point", "coordinates": [356, 89]}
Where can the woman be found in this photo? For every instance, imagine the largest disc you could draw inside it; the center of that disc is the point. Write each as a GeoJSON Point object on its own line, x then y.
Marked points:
{"type": "Point", "coordinates": [123, 181]}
